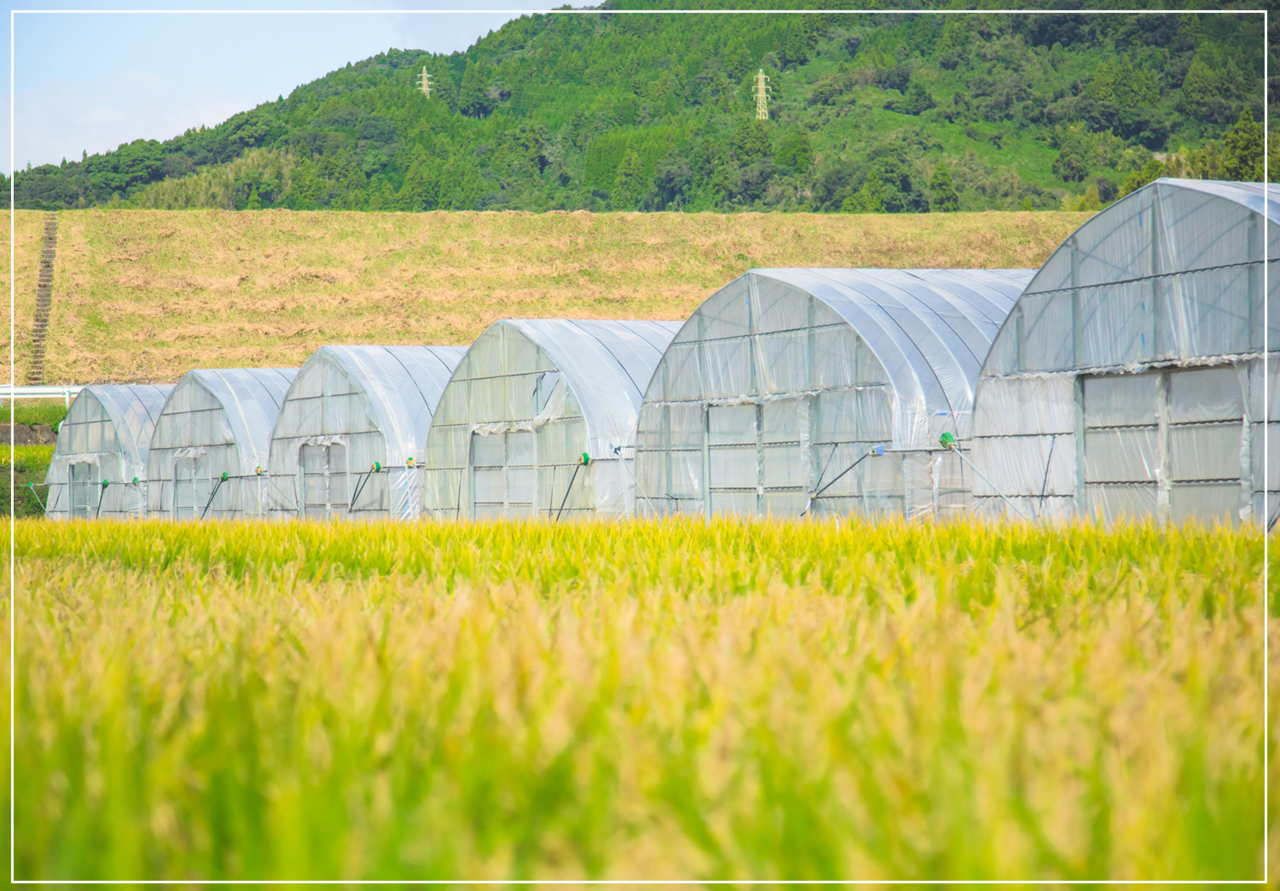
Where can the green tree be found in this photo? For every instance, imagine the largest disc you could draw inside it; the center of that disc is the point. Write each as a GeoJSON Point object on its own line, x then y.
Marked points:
{"type": "Point", "coordinates": [1074, 145]}
{"type": "Point", "coordinates": [304, 186]}
{"type": "Point", "coordinates": [1089, 201]}
{"type": "Point", "coordinates": [869, 199]}
{"type": "Point", "coordinates": [1150, 172]}
{"type": "Point", "coordinates": [420, 189]}
{"type": "Point", "coordinates": [473, 97]}
{"type": "Point", "coordinates": [795, 151]}
{"type": "Point", "coordinates": [917, 101]}
{"type": "Point", "coordinates": [943, 197]}
{"type": "Point", "coordinates": [631, 183]}
{"type": "Point", "coordinates": [1242, 148]}
{"type": "Point", "coordinates": [751, 142]}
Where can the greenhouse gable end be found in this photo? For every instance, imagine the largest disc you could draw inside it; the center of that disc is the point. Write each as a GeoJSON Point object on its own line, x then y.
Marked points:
{"type": "Point", "coordinates": [1129, 379]}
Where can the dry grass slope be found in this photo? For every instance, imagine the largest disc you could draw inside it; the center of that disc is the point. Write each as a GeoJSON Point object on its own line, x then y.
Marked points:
{"type": "Point", "coordinates": [147, 295]}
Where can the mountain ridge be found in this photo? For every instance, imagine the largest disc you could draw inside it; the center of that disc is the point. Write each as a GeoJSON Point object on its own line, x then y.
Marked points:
{"type": "Point", "coordinates": [600, 111]}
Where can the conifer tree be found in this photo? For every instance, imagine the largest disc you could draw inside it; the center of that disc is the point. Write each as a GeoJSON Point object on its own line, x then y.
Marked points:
{"type": "Point", "coordinates": [473, 98]}
{"type": "Point", "coordinates": [419, 189]}
{"type": "Point", "coordinates": [870, 198]}
{"type": "Point", "coordinates": [943, 197]}
{"type": "Point", "coordinates": [1243, 150]}
{"type": "Point", "coordinates": [629, 186]}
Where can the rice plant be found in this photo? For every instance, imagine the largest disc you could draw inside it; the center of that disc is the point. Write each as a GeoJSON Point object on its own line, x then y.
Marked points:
{"type": "Point", "coordinates": [678, 699]}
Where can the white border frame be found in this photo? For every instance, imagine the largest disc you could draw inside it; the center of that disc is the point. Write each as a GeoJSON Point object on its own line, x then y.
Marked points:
{"type": "Point", "coordinates": [852, 12]}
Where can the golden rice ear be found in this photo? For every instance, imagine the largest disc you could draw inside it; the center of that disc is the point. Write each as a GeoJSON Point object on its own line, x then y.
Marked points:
{"type": "Point", "coordinates": [684, 696]}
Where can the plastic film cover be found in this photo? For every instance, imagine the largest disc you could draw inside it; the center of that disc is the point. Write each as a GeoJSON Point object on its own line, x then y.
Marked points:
{"type": "Point", "coordinates": [571, 388]}
{"type": "Point", "coordinates": [377, 402]}
{"type": "Point", "coordinates": [861, 357]}
{"type": "Point", "coordinates": [108, 428]}
{"type": "Point", "coordinates": [226, 415]}
{"type": "Point", "coordinates": [1150, 319]}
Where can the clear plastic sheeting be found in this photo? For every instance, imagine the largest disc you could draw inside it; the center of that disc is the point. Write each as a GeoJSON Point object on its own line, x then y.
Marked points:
{"type": "Point", "coordinates": [215, 422]}
{"type": "Point", "coordinates": [349, 439]}
{"type": "Point", "coordinates": [1137, 351]}
{"type": "Point", "coordinates": [530, 399]}
{"type": "Point", "coordinates": [775, 395]}
{"type": "Point", "coordinates": [99, 465]}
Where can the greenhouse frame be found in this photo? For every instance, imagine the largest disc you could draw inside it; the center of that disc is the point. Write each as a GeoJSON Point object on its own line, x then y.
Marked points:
{"type": "Point", "coordinates": [349, 439]}
{"type": "Point", "coordinates": [819, 391]}
{"type": "Point", "coordinates": [539, 420]}
{"type": "Point", "coordinates": [1129, 380]}
{"type": "Point", "coordinates": [209, 450]}
{"type": "Point", "coordinates": [99, 464]}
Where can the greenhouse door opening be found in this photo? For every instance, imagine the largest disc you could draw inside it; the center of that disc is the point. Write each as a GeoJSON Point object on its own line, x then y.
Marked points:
{"type": "Point", "coordinates": [755, 463]}
{"type": "Point", "coordinates": [85, 489]}
{"type": "Point", "coordinates": [192, 487]}
{"type": "Point", "coordinates": [1170, 443]}
{"type": "Point", "coordinates": [503, 474]}
{"type": "Point", "coordinates": [324, 480]}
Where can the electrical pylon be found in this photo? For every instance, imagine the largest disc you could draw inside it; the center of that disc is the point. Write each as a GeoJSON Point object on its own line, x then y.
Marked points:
{"type": "Point", "coordinates": [762, 91]}
{"type": "Point", "coordinates": [424, 83]}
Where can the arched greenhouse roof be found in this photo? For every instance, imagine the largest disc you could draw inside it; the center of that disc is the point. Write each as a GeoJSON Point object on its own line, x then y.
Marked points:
{"type": "Point", "coordinates": [133, 410]}
{"type": "Point", "coordinates": [250, 399]}
{"type": "Point", "coordinates": [1170, 272]}
{"type": "Point", "coordinates": [607, 366]}
{"type": "Point", "coordinates": [929, 328]}
{"type": "Point", "coordinates": [401, 386]}
{"type": "Point", "coordinates": [1196, 226]}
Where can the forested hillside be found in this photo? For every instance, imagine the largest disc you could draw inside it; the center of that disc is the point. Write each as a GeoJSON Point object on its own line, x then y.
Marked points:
{"type": "Point", "coordinates": [885, 112]}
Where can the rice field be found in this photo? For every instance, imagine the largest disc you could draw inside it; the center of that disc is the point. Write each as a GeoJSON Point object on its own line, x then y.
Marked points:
{"type": "Point", "coordinates": [660, 700]}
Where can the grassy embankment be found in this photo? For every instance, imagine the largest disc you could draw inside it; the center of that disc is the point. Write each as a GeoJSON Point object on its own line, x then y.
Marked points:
{"type": "Point", "coordinates": [148, 295]}
{"type": "Point", "coordinates": [28, 463]}
{"type": "Point", "coordinates": [792, 700]}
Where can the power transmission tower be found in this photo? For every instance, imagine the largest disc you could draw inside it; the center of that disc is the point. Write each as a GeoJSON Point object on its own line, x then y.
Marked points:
{"type": "Point", "coordinates": [424, 83]}
{"type": "Point", "coordinates": [762, 91]}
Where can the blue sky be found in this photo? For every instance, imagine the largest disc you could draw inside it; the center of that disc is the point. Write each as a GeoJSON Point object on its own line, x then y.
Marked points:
{"type": "Point", "coordinates": [91, 81]}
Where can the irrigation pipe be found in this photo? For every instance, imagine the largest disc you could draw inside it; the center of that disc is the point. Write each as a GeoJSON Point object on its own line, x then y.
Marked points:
{"type": "Point", "coordinates": [1044, 487]}
{"type": "Point", "coordinates": [582, 463]}
{"type": "Point", "coordinates": [98, 510]}
{"type": "Point", "coordinates": [216, 486]}
{"type": "Point", "coordinates": [351, 505]}
{"type": "Point", "coordinates": [834, 447]}
{"type": "Point", "coordinates": [617, 450]}
{"type": "Point", "coordinates": [953, 446]}
{"type": "Point", "coordinates": [878, 451]}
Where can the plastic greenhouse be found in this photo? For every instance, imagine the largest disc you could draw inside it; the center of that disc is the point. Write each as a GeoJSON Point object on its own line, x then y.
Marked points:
{"type": "Point", "coordinates": [540, 418]}
{"type": "Point", "coordinates": [349, 438]}
{"type": "Point", "coordinates": [209, 450]}
{"type": "Point", "coordinates": [99, 465]}
{"type": "Point", "coordinates": [794, 391]}
{"type": "Point", "coordinates": [1129, 379]}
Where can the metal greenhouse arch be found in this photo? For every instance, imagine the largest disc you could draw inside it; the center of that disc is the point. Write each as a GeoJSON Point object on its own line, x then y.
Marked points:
{"type": "Point", "coordinates": [1129, 380]}
{"type": "Point", "coordinates": [99, 465]}
{"type": "Point", "coordinates": [209, 450]}
{"type": "Point", "coordinates": [793, 391]}
{"type": "Point", "coordinates": [539, 420]}
{"type": "Point", "coordinates": [348, 442]}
